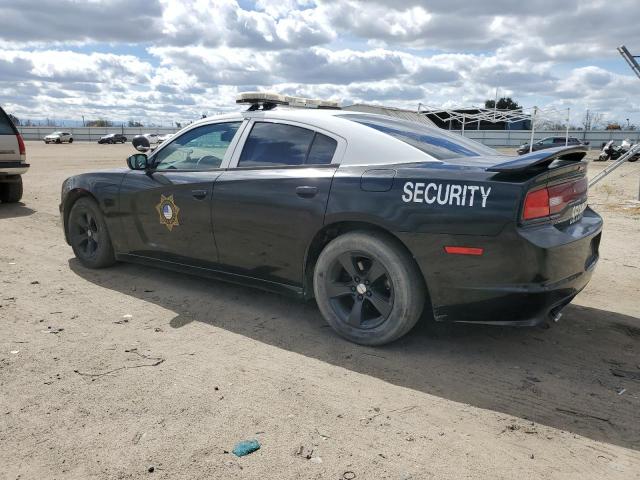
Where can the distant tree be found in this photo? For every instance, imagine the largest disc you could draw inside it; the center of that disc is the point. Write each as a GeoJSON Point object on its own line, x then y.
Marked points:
{"type": "Point", "coordinates": [132, 123]}
{"type": "Point", "coordinates": [99, 123]}
{"type": "Point", "coordinates": [591, 120]}
{"type": "Point", "coordinates": [505, 103]}
{"type": "Point", "coordinates": [613, 126]}
{"type": "Point", "coordinates": [178, 125]}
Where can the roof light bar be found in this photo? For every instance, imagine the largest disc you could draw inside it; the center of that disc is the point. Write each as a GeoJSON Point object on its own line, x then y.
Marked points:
{"type": "Point", "coordinates": [271, 98]}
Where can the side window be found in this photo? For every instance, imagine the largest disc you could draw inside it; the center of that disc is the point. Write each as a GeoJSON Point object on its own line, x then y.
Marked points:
{"type": "Point", "coordinates": [275, 144]}
{"type": "Point", "coordinates": [322, 150]}
{"type": "Point", "coordinates": [6, 127]}
{"type": "Point", "coordinates": [201, 148]}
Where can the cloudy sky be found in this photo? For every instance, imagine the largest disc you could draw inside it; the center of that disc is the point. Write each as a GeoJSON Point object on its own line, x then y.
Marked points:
{"type": "Point", "coordinates": [169, 60]}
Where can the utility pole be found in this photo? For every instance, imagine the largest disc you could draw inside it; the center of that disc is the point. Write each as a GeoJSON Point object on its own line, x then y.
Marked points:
{"type": "Point", "coordinates": [533, 127]}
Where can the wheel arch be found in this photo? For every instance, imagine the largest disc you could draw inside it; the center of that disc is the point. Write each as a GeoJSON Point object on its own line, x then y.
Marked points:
{"type": "Point", "coordinates": [334, 230]}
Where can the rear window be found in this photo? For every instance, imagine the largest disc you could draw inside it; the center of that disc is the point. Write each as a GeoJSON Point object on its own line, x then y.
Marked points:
{"type": "Point", "coordinates": [6, 126]}
{"type": "Point", "coordinates": [434, 142]}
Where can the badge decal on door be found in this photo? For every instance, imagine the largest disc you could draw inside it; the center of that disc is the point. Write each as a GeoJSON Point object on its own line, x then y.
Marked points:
{"type": "Point", "coordinates": [168, 211]}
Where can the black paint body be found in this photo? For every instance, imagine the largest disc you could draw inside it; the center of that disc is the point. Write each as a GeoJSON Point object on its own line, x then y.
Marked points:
{"type": "Point", "coordinates": [258, 226]}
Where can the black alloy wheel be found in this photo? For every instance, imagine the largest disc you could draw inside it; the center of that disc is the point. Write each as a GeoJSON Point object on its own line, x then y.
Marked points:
{"type": "Point", "coordinates": [359, 290]}
{"type": "Point", "coordinates": [88, 234]}
{"type": "Point", "coordinates": [368, 287]}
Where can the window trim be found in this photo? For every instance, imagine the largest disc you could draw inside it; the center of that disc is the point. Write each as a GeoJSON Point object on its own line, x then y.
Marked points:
{"type": "Point", "coordinates": [227, 155]}
{"type": "Point", "coordinates": [335, 161]}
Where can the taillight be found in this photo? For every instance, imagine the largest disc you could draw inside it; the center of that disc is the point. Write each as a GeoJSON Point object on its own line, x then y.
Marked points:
{"type": "Point", "coordinates": [21, 147]}
{"type": "Point", "coordinates": [561, 195]}
{"type": "Point", "coordinates": [551, 200]}
{"type": "Point", "coordinates": [536, 204]}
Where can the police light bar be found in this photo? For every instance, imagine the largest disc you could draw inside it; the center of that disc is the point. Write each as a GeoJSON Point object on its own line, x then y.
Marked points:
{"type": "Point", "coordinates": [270, 99]}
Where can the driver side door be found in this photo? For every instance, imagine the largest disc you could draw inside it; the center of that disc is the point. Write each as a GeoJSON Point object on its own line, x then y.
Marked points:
{"type": "Point", "coordinates": [166, 209]}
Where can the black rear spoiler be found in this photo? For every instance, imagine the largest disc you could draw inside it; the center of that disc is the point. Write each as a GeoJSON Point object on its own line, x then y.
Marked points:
{"type": "Point", "coordinates": [540, 160]}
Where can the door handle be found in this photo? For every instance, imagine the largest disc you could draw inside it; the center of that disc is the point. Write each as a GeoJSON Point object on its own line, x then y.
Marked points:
{"type": "Point", "coordinates": [306, 191]}
{"type": "Point", "coordinates": [199, 194]}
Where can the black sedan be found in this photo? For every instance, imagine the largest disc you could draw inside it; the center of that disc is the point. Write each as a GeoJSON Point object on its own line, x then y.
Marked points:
{"type": "Point", "coordinates": [550, 142]}
{"type": "Point", "coordinates": [113, 138]}
{"type": "Point", "coordinates": [375, 217]}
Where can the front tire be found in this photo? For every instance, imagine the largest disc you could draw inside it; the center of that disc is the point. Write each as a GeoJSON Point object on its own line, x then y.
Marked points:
{"type": "Point", "coordinates": [368, 288]}
{"type": "Point", "coordinates": [88, 235]}
{"type": "Point", "coordinates": [11, 192]}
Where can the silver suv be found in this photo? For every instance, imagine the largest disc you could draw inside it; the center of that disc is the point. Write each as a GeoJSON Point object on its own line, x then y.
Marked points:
{"type": "Point", "coordinates": [12, 160]}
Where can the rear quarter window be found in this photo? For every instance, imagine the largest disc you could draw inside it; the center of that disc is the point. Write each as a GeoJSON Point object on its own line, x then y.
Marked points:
{"type": "Point", "coordinates": [432, 141]}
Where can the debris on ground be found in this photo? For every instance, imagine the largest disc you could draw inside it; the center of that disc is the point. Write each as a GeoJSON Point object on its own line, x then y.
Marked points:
{"type": "Point", "coordinates": [156, 361]}
{"type": "Point", "coordinates": [245, 447]}
{"type": "Point", "coordinates": [55, 331]}
{"type": "Point", "coordinates": [616, 372]}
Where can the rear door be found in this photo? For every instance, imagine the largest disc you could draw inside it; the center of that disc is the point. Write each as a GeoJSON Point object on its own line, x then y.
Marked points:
{"type": "Point", "coordinates": [166, 210]}
{"type": "Point", "coordinates": [9, 147]}
{"type": "Point", "coordinates": [270, 203]}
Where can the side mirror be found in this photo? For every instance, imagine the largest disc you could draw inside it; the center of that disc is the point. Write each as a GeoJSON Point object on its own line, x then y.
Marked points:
{"type": "Point", "coordinates": [141, 143]}
{"type": "Point", "coordinates": [137, 161]}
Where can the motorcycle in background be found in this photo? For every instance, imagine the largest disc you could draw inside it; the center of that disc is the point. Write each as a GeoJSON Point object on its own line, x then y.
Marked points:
{"type": "Point", "coordinates": [613, 152]}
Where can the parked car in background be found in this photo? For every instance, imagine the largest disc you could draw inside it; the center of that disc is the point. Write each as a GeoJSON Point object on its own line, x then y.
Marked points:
{"type": "Point", "coordinates": [113, 138]}
{"type": "Point", "coordinates": [59, 137]}
{"type": "Point", "coordinates": [550, 142]}
{"type": "Point", "coordinates": [13, 162]}
{"type": "Point", "coordinates": [153, 138]}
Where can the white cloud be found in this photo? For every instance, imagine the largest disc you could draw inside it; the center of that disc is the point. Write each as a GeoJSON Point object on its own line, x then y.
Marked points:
{"type": "Point", "coordinates": [176, 59]}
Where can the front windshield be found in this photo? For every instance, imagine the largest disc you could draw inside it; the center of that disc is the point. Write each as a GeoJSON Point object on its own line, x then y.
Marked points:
{"type": "Point", "coordinates": [430, 140]}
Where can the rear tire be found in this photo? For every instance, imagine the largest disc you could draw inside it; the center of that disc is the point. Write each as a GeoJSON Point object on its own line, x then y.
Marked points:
{"type": "Point", "coordinates": [11, 192]}
{"type": "Point", "coordinates": [368, 288]}
{"type": "Point", "coordinates": [71, 140]}
{"type": "Point", "coordinates": [88, 234]}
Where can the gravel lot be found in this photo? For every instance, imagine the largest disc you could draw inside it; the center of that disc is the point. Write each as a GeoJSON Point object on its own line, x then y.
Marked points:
{"type": "Point", "coordinates": [113, 373]}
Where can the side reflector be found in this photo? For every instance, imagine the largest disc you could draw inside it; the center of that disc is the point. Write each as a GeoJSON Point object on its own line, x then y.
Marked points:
{"type": "Point", "coordinates": [464, 250]}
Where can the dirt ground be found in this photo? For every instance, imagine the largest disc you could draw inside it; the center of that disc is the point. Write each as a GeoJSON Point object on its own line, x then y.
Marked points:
{"type": "Point", "coordinates": [113, 373]}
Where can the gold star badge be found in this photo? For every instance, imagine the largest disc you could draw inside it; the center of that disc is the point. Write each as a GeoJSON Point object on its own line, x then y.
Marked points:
{"type": "Point", "coordinates": [168, 211]}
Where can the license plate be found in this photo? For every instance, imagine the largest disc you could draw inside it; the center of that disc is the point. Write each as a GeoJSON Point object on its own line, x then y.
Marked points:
{"type": "Point", "coordinates": [577, 211]}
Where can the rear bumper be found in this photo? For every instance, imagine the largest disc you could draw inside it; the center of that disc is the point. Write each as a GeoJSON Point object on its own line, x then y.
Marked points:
{"type": "Point", "coordinates": [13, 168]}
{"type": "Point", "coordinates": [525, 276]}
